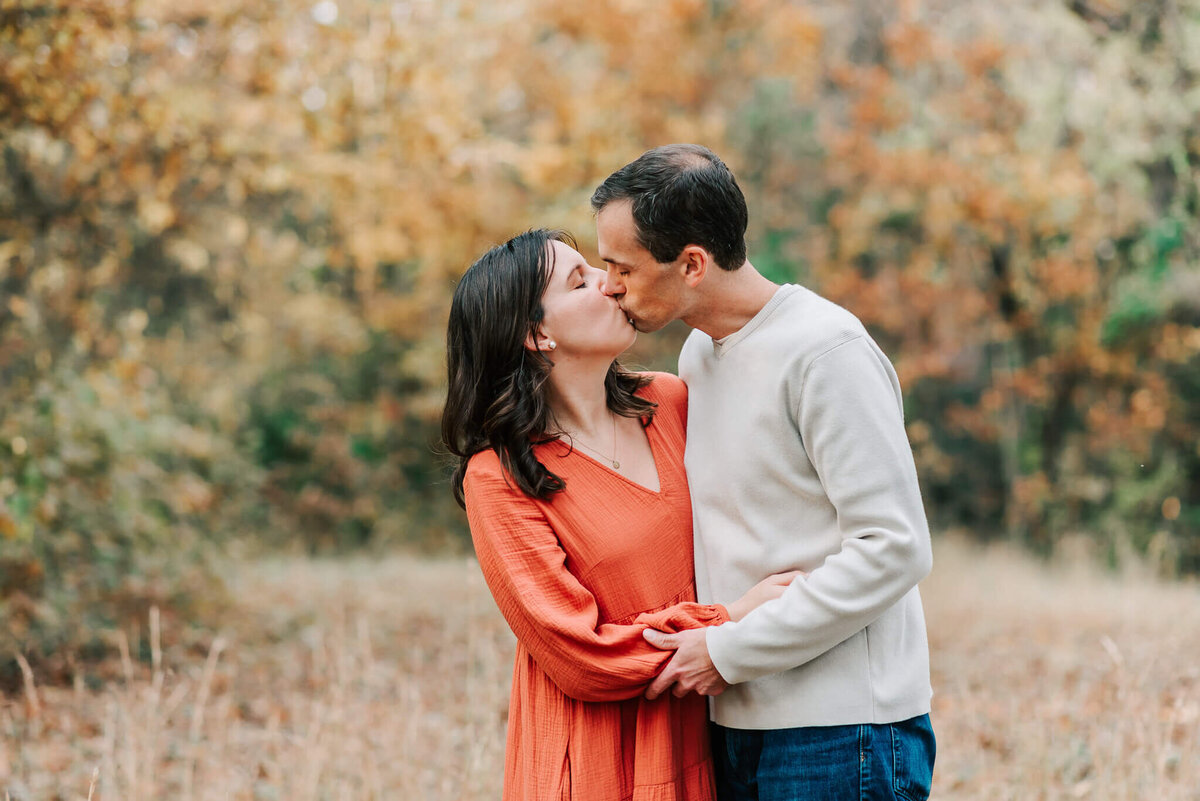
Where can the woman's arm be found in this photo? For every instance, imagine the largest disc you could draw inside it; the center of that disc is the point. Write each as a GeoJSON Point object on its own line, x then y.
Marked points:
{"type": "Point", "coordinates": [554, 616]}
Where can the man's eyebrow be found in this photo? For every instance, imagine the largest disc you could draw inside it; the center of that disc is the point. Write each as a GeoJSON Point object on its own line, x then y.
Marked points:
{"type": "Point", "coordinates": [615, 262]}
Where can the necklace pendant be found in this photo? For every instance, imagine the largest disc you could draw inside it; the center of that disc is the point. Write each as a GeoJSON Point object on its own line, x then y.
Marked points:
{"type": "Point", "coordinates": [616, 465]}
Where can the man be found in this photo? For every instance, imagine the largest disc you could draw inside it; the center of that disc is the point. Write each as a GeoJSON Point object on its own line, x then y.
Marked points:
{"type": "Point", "coordinates": [797, 458]}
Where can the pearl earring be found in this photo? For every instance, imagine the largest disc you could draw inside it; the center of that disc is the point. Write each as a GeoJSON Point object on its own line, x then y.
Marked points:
{"type": "Point", "coordinates": [552, 344]}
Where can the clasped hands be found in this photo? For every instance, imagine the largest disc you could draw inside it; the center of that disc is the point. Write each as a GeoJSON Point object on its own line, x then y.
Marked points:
{"type": "Point", "coordinates": [691, 669]}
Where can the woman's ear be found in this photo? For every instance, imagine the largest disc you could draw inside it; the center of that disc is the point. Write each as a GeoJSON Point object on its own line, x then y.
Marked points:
{"type": "Point", "coordinates": [539, 341]}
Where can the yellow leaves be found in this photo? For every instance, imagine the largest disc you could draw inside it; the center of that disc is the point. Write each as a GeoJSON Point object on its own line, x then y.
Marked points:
{"type": "Point", "coordinates": [397, 315]}
{"type": "Point", "coordinates": [790, 47]}
{"type": "Point", "coordinates": [19, 307]}
{"type": "Point", "coordinates": [189, 494]}
{"type": "Point", "coordinates": [154, 215]}
{"type": "Point", "coordinates": [919, 432]}
{"type": "Point", "coordinates": [1149, 409]}
{"type": "Point", "coordinates": [546, 167]}
{"type": "Point", "coordinates": [1171, 507]}
{"type": "Point", "coordinates": [191, 255]}
{"type": "Point", "coordinates": [942, 214]}
{"type": "Point", "coordinates": [8, 526]}
{"type": "Point", "coordinates": [315, 322]}
{"type": "Point", "coordinates": [1178, 343]}
{"type": "Point", "coordinates": [236, 230]}
{"type": "Point", "coordinates": [47, 510]}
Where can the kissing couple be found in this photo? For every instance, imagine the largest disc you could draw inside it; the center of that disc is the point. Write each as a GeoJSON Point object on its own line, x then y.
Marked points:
{"type": "Point", "coordinates": [712, 577]}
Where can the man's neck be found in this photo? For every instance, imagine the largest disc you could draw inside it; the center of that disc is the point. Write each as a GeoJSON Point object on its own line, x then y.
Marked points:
{"type": "Point", "coordinates": [727, 300]}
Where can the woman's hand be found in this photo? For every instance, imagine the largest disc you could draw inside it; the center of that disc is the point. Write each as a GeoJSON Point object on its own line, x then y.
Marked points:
{"type": "Point", "coordinates": [768, 589]}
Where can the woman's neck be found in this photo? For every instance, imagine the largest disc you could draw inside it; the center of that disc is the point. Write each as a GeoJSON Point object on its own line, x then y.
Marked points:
{"type": "Point", "coordinates": [577, 399]}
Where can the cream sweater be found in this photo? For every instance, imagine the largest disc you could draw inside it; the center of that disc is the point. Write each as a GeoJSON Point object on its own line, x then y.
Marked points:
{"type": "Point", "coordinates": [797, 457]}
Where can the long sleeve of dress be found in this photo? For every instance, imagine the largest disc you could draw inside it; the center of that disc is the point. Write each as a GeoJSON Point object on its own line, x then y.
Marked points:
{"type": "Point", "coordinates": [552, 614]}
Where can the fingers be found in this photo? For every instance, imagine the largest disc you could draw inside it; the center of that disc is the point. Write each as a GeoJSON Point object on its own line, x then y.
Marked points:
{"type": "Point", "coordinates": [785, 578]}
{"type": "Point", "coordinates": [667, 680]}
{"type": "Point", "coordinates": [658, 686]}
{"type": "Point", "coordinates": [661, 640]}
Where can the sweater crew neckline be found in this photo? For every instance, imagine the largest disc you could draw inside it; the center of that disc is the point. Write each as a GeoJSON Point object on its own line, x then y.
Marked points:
{"type": "Point", "coordinates": [724, 344]}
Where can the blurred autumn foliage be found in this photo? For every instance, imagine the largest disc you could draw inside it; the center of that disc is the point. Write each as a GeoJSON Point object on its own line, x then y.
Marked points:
{"type": "Point", "coordinates": [229, 232]}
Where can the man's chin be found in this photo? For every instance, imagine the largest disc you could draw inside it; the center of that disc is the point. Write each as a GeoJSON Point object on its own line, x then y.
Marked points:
{"type": "Point", "coordinates": [645, 326]}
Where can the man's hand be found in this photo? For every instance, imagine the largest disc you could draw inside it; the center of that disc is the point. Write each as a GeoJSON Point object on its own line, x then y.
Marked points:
{"type": "Point", "coordinates": [690, 670]}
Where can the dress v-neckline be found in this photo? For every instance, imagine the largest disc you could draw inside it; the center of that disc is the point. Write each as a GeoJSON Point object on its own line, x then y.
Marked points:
{"type": "Point", "coordinates": [654, 455]}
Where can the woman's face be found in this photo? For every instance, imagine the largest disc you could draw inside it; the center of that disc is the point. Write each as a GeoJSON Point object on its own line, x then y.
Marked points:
{"type": "Point", "coordinates": [579, 317]}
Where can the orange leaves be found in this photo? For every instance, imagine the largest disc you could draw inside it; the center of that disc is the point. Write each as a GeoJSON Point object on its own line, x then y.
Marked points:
{"type": "Point", "coordinates": [1028, 385]}
{"type": "Point", "coordinates": [790, 47]}
{"type": "Point", "coordinates": [189, 495]}
{"type": "Point", "coordinates": [1148, 409]}
{"type": "Point", "coordinates": [1061, 277]}
{"type": "Point", "coordinates": [910, 44]}
{"type": "Point", "coordinates": [982, 56]}
{"type": "Point", "coordinates": [1178, 343]}
{"type": "Point", "coordinates": [8, 526]}
{"type": "Point", "coordinates": [978, 423]}
{"type": "Point", "coordinates": [878, 105]}
{"type": "Point", "coordinates": [1030, 495]}
{"type": "Point", "coordinates": [1171, 507]}
{"type": "Point", "coordinates": [288, 194]}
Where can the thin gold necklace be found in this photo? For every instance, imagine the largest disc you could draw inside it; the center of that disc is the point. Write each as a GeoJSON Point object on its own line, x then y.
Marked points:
{"type": "Point", "coordinates": [616, 464]}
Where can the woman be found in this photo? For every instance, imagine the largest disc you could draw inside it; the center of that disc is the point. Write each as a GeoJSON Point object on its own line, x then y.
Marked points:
{"type": "Point", "coordinates": [571, 473]}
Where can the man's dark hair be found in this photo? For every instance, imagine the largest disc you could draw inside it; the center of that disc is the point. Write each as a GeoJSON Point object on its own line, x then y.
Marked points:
{"type": "Point", "coordinates": [681, 195]}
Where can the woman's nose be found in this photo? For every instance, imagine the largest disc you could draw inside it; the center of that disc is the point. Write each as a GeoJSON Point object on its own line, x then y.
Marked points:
{"type": "Point", "coordinates": [608, 285]}
{"type": "Point", "coordinates": [602, 282]}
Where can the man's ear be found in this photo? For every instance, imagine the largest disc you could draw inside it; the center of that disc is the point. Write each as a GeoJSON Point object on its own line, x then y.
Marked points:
{"type": "Point", "coordinates": [695, 262]}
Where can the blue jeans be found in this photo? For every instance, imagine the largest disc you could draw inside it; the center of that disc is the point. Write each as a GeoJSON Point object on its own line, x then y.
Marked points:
{"type": "Point", "coordinates": [826, 763]}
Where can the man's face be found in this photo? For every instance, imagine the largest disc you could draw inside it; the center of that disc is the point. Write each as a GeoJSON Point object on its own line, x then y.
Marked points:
{"type": "Point", "coordinates": [649, 292]}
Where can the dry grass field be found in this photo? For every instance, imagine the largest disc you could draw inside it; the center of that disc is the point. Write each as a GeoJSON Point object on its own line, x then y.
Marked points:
{"type": "Point", "coordinates": [389, 680]}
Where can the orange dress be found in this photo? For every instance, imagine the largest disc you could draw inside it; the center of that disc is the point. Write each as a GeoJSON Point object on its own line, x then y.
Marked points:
{"type": "Point", "coordinates": [578, 578]}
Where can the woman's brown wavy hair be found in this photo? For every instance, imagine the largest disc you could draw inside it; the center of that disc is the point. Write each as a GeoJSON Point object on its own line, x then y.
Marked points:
{"type": "Point", "coordinates": [497, 387]}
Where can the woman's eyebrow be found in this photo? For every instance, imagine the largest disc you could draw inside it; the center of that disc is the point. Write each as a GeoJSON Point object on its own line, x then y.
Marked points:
{"type": "Point", "coordinates": [572, 271]}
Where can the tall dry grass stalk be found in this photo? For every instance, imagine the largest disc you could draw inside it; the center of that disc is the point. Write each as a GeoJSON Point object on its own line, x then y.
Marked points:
{"type": "Point", "coordinates": [380, 680]}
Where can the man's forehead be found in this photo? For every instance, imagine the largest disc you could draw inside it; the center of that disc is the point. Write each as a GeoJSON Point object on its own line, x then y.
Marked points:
{"type": "Point", "coordinates": [616, 234]}
{"type": "Point", "coordinates": [619, 214]}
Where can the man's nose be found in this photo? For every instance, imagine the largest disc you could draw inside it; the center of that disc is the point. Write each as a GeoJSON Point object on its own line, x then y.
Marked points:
{"type": "Point", "coordinates": [610, 286]}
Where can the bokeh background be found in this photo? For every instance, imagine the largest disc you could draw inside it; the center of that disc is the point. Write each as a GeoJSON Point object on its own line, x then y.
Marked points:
{"type": "Point", "coordinates": [229, 232]}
